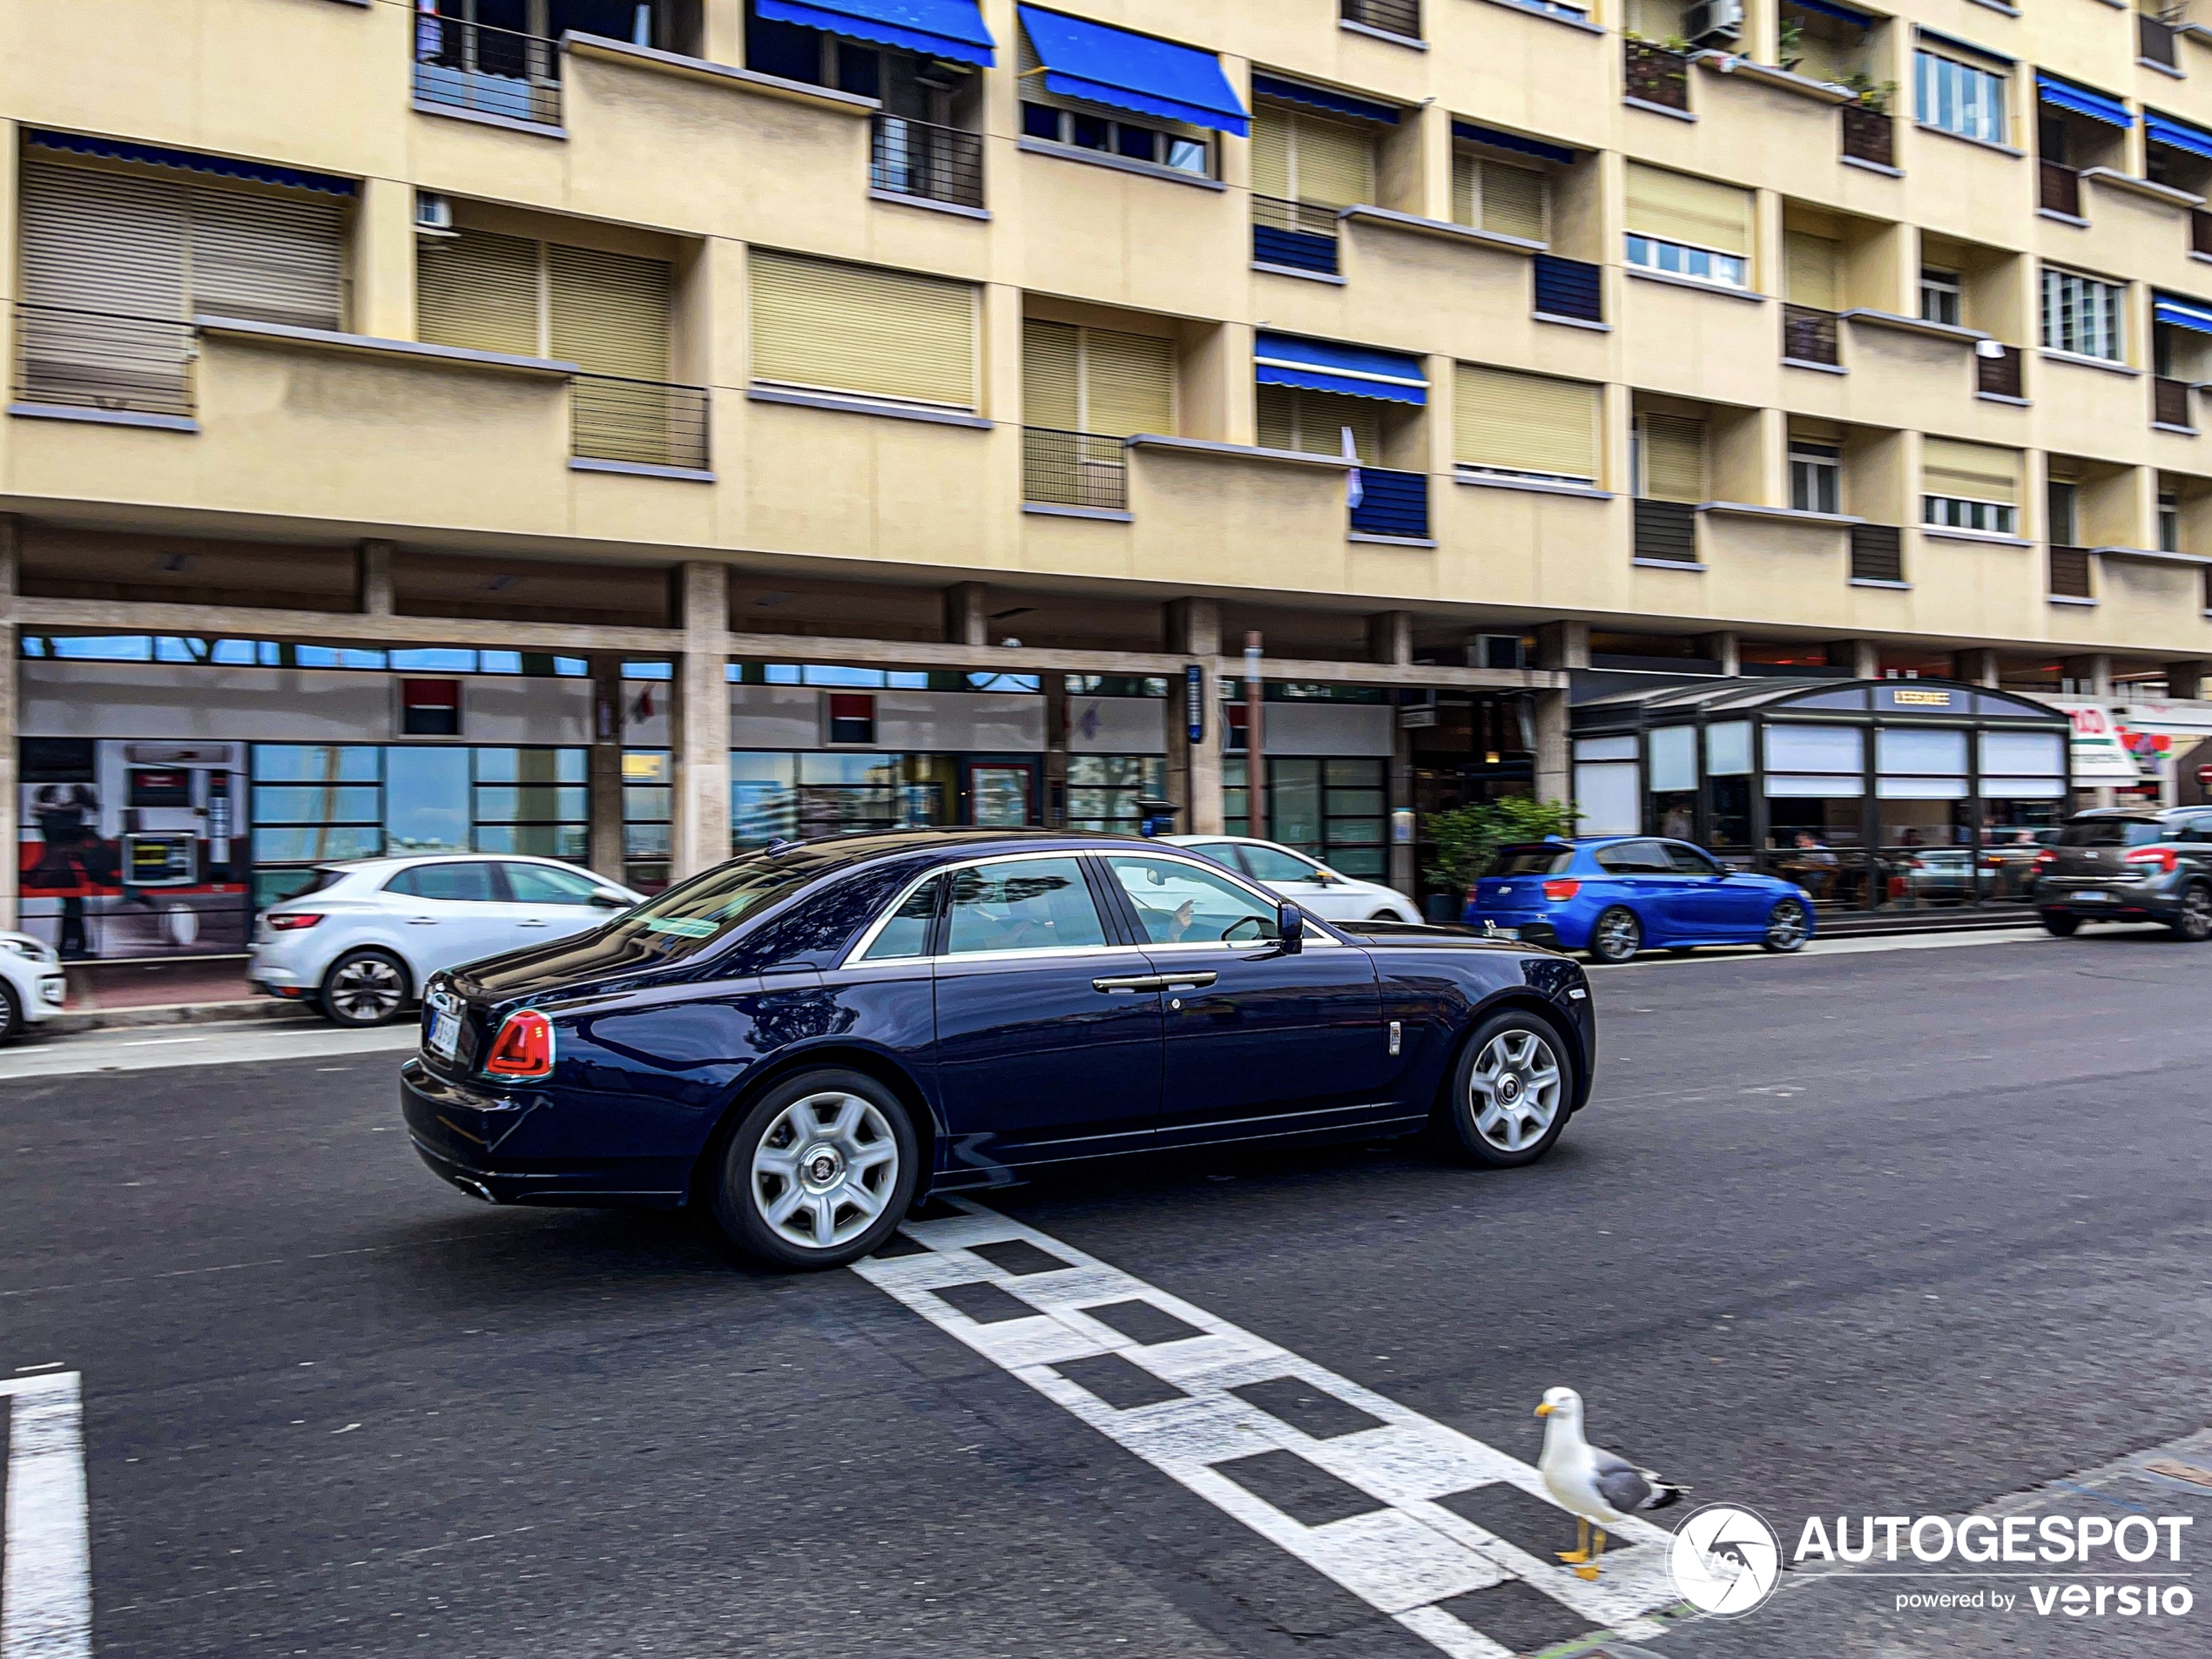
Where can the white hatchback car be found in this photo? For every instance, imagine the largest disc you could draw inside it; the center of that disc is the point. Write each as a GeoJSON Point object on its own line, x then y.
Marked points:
{"type": "Point", "coordinates": [31, 986]}
{"type": "Point", "coordinates": [1311, 886]}
{"type": "Point", "coordinates": [361, 938]}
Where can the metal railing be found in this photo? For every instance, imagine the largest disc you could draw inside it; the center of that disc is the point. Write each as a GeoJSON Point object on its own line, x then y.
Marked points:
{"type": "Point", "coordinates": [919, 159]}
{"type": "Point", "coordinates": [1074, 469]}
{"type": "Point", "coordinates": [2154, 40]}
{"type": "Point", "coordinates": [644, 423]}
{"type": "Point", "coordinates": [2057, 189]}
{"type": "Point", "coordinates": [473, 66]}
{"type": "Point", "coordinates": [102, 359]}
{"type": "Point", "coordinates": [1569, 288]}
{"type": "Point", "coordinates": [1301, 235]}
{"type": "Point", "coordinates": [1809, 336]}
{"type": "Point", "coordinates": [2069, 569]}
{"type": "Point", "coordinates": [1656, 74]}
{"type": "Point", "coordinates": [1998, 373]}
{"type": "Point", "coordinates": [2170, 403]}
{"type": "Point", "coordinates": [1869, 135]}
{"type": "Point", "coordinates": [1876, 553]}
{"type": "Point", "coordinates": [1666, 531]}
{"type": "Point", "coordinates": [1392, 17]}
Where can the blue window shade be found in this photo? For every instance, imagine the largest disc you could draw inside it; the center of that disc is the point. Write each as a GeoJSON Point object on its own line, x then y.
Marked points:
{"type": "Point", "coordinates": [1569, 288]}
{"type": "Point", "coordinates": [1352, 371]}
{"type": "Point", "coordinates": [1392, 503]}
{"type": "Point", "coordinates": [1829, 8]}
{"type": "Point", "coordinates": [1321, 98]}
{"type": "Point", "coordinates": [947, 29]}
{"type": "Point", "coordinates": [293, 178]}
{"type": "Point", "coordinates": [2097, 106]}
{"type": "Point", "coordinates": [1470, 133]}
{"type": "Point", "coordinates": [2164, 129]}
{"type": "Point", "coordinates": [2182, 314]}
{"type": "Point", "coordinates": [1300, 251]}
{"type": "Point", "coordinates": [1128, 71]}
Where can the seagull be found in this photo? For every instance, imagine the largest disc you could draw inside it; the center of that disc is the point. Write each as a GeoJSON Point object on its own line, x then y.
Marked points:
{"type": "Point", "coordinates": [1592, 1484]}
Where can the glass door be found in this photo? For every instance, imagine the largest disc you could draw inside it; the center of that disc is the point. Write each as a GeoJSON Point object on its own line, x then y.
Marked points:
{"type": "Point", "coordinates": [999, 794]}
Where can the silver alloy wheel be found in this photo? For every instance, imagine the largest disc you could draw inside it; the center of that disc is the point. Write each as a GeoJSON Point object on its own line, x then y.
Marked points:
{"type": "Point", "coordinates": [365, 990]}
{"type": "Point", "coordinates": [1619, 936]}
{"type": "Point", "coordinates": [1514, 1090]}
{"type": "Point", "coordinates": [2197, 913]}
{"type": "Point", "coordinates": [1785, 926]}
{"type": "Point", "coordinates": [824, 1170]}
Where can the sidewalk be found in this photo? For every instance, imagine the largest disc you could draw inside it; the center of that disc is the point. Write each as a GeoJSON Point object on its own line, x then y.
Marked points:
{"type": "Point", "coordinates": [165, 991]}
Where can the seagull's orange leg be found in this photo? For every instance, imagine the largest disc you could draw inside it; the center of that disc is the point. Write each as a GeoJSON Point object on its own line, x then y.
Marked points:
{"type": "Point", "coordinates": [1591, 1571]}
{"type": "Point", "coordinates": [1581, 1550]}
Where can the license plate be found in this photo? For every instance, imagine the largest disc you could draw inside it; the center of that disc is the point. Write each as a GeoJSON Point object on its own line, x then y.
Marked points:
{"type": "Point", "coordinates": [2093, 898]}
{"type": "Point", "coordinates": [1505, 933]}
{"type": "Point", "coordinates": [445, 1034]}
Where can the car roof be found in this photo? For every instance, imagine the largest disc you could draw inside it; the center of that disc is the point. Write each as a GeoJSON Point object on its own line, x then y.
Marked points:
{"type": "Point", "coordinates": [405, 860]}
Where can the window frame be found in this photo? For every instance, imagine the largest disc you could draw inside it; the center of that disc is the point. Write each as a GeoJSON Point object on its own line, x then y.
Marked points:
{"type": "Point", "coordinates": [1981, 118]}
{"type": "Point", "coordinates": [2004, 516]}
{"type": "Point", "coordinates": [1635, 241]}
{"type": "Point", "coordinates": [2066, 326]}
{"type": "Point", "coordinates": [1822, 466]}
{"type": "Point", "coordinates": [1064, 127]}
{"type": "Point", "coordinates": [1948, 288]}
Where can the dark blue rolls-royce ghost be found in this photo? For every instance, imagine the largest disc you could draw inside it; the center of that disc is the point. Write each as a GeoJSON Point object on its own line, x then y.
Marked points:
{"type": "Point", "coordinates": [809, 1039]}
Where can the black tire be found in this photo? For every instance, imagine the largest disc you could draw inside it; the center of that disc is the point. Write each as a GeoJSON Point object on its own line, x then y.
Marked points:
{"type": "Point", "coordinates": [1787, 926]}
{"type": "Point", "coordinates": [744, 1194]}
{"type": "Point", "coordinates": [11, 1021]}
{"type": "Point", "coordinates": [1383, 915]}
{"type": "Point", "coordinates": [2057, 921]}
{"type": "Point", "coordinates": [364, 987]}
{"type": "Point", "coordinates": [1466, 1121]}
{"type": "Point", "coordinates": [2193, 923]}
{"type": "Point", "coordinates": [1681, 950]}
{"type": "Point", "coordinates": [1616, 934]}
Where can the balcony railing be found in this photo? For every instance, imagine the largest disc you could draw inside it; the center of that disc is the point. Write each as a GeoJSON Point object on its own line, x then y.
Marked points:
{"type": "Point", "coordinates": [1296, 234]}
{"type": "Point", "coordinates": [918, 158]}
{"type": "Point", "coordinates": [1877, 554]}
{"type": "Point", "coordinates": [1656, 74]}
{"type": "Point", "coordinates": [1392, 17]}
{"type": "Point", "coordinates": [1666, 531]}
{"type": "Point", "coordinates": [2155, 39]}
{"type": "Point", "coordinates": [1569, 288]}
{"type": "Point", "coordinates": [2070, 573]}
{"type": "Point", "coordinates": [2170, 403]}
{"type": "Point", "coordinates": [1869, 136]}
{"type": "Point", "coordinates": [1074, 469]}
{"type": "Point", "coordinates": [1392, 503]}
{"type": "Point", "coordinates": [1998, 373]}
{"type": "Point", "coordinates": [644, 424]}
{"type": "Point", "coordinates": [106, 361]}
{"type": "Point", "coordinates": [472, 66]}
{"type": "Point", "coordinates": [2057, 189]}
{"type": "Point", "coordinates": [1809, 336]}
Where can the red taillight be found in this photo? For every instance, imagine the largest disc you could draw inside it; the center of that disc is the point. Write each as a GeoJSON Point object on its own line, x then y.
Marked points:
{"type": "Point", "coordinates": [2045, 858]}
{"type": "Point", "coordinates": [523, 1047]}
{"type": "Point", "coordinates": [2164, 857]}
{"type": "Point", "coordinates": [1556, 891]}
{"type": "Point", "coordinates": [285, 921]}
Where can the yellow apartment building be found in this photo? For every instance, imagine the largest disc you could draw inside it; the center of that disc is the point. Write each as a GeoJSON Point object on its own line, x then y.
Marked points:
{"type": "Point", "coordinates": [628, 429]}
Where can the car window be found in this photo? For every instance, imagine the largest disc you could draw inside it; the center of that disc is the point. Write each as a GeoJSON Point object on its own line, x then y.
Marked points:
{"type": "Point", "coordinates": [308, 881]}
{"type": "Point", "coordinates": [1634, 858]}
{"type": "Point", "coordinates": [2110, 831]}
{"type": "Point", "coordinates": [454, 883]}
{"type": "Point", "coordinates": [1181, 904]}
{"type": "Point", "coordinates": [906, 933]}
{"type": "Point", "coordinates": [542, 884]}
{"type": "Point", "coordinates": [1531, 861]}
{"type": "Point", "coordinates": [1272, 863]}
{"type": "Point", "coordinates": [1688, 861]}
{"type": "Point", "coordinates": [1023, 904]}
{"type": "Point", "coordinates": [2192, 826]}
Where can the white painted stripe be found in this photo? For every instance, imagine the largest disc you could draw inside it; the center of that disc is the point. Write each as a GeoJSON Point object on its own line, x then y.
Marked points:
{"type": "Point", "coordinates": [46, 1559]}
{"type": "Point", "coordinates": [1403, 1558]}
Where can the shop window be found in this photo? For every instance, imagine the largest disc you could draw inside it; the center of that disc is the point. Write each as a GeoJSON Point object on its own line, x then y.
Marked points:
{"type": "Point", "coordinates": [648, 807]}
{"type": "Point", "coordinates": [1103, 790]}
{"type": "Point", "coordinates": [1338, 811]}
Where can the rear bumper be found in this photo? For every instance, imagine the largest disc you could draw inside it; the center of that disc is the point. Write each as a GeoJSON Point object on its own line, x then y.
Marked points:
{"type": "Point", "coordinates": [2122, 901]}
{"type": "Point", "coordinates": [465, 1137]}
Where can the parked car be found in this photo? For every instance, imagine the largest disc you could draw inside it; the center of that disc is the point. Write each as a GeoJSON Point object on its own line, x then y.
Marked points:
{"type": "Point", "coordinates": [1613, 895]}
{"type": "Point", "coordinates": [809, 1039]}
{"type": "Point", "coordinates": [32, 988]}
{"type": "Point", "coordinates": [2129, 863]}
{"type": "Point", "coordinates": [360, 938]}
{"type": "Point", "coordinates": [1319, 890]}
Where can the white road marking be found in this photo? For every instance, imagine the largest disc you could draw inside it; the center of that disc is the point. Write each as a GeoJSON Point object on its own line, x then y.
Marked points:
{"type": "Point", "coordinates": [246, 1041]}
{"type": "Point", "coordinates": [1405, 1557]}
{"type": "Point", "coordinates": [46, 1557]}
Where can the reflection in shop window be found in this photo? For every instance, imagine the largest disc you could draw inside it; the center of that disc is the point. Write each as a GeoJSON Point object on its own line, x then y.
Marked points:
{"type": "Point", "coordinates": [1337, 811]}
{"type": "Point", "coordinates": [1103, 790]}
{"type": "Point", "coordinates": [647, 809]}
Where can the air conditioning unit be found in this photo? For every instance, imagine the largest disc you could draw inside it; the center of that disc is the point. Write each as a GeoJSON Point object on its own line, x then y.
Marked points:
{"type": "Point", "coordinates": [1713, 21]}
{"type": "Point", "coordinates": [432, 214]}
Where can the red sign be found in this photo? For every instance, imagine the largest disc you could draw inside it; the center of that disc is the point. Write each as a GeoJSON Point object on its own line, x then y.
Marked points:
{"type": "Point", "coordinates": [2204, 776]}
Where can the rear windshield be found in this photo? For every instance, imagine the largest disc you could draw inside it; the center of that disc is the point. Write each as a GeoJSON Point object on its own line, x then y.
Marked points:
{"type": "Point", "coordinates": [1531, 861]}
{"type": "Point", "coordinates": [299, 883]}
{"type": "Point", "coordinates": [681, 920]}
{"type": "Point", "coordinates": [2110, 832]}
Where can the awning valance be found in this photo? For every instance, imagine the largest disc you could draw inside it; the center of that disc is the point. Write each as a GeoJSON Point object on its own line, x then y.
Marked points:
{"type": "Point", "coordinates": [1102, 64]}
{"type": "Point", "coordinates": [1830, 9]}
{"type": "Point", "coordinates": [2182, 314]}
{"type": "Point", "coordinates": [1351, 371]}
{"type": "Point", "coordinates": [191, 161]}
{"type": "Point", "coordinates": [2080, 100]}
{"type": "Point", "coordinates": [1323, 97]}
{"type": "Point", "coordinates": [1467, 132]}
{"type": "Point", "coordinates": [947, 29]}
{"type": "Point", "coordinates": [2164, 129]}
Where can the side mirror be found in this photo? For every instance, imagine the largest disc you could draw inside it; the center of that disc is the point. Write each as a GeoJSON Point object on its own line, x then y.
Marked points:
{"type": "Point", "coordinates": [1289, 926]}
{"type": "Point", "coordinates": [605, 901]}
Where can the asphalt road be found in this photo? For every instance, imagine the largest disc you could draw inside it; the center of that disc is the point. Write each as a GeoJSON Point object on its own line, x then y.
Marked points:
{"type": "Point", "coordinates": [1890, 1232]}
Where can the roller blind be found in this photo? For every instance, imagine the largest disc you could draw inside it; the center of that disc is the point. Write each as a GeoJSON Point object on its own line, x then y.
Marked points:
{"type": "Point", "coordinates": [1674, 458]}
{"type": "Point", "coordinates": [859, 328]}
{"type": "Point", "coordinates": [607, 312]}
{"type": "Point", "coordinates": [1098, 381]}
{"type": "Point", "coordinates": [1525, 422]}
{"type": "Point", "coordinates": [1975, 471]}
{"type": "Point", "coordinates": [1467, 189]}
{"type": "Point", "coordinates": [1514, 200]}
{"type": "Point", "coordinates": [1272, 142]}
{"type": "Point", "coordinates": [1811, 279]}
{"type": "Point", "coordinates": [1334, 163]}
{"type": "Point", "coordinates": [480, 291]}
{"type": "Point", "coordinates": [1313, 422]}
{"type": "Point", "coordinates": [1051, 376]}
{"type": "Point", "coordinates": [1675, 207]}
{"type": "Point", "coordinates": [267, 257]}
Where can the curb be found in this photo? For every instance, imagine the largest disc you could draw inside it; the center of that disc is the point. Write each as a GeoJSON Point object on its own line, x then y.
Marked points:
{"type": "Point", "coordinates": [259, 1009]}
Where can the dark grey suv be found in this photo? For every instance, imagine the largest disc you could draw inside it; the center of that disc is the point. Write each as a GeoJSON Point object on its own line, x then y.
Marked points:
{"type": "Point", "coordinates": [2126, 864]}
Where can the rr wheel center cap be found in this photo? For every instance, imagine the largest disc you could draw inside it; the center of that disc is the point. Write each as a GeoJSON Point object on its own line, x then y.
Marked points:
{"type": "Point", "coordinates": [1509, 1088]}
{"type": "Point", "coordinates": [822, 1167]}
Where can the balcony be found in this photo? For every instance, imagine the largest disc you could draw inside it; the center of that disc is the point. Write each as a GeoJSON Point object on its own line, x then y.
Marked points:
{"type": "Point", "coordinates": [2069, 573]}
{"type": "Point", "coordinates": [1295, 236]}
{"type": "Point", "coordinates": [1809, 336]}
{"type": "Point", "coordinates": [1655, 75]}
{"type": "Point", "coordinates": [1399, 17]}
{"type": "Point", "coordinates": [1569, 288]}
{"type": "Point", "coordinates": [135, 370]}
{"type": "Point", "coordinates": [1998, 374]}
{"type": "Point", "coordinates": [1077, 469]}
{"type": "Point", "coordinates": [2155, 40]}
{"type": "Point", "coordinates": [2057, 189]}
{"type": "Point", "coordinates": [1666, 531]}
{"type": "Point", "coordinates": [494, 74]}
{"type": "Point", "coordinates": [1869, 135]}
{"type": "Point", "coordinates": [928, 162]}
{"type": "Point", "coordinates": [641, 424]}
{"type": "Point", "coordinates": [1876, 553]}
{"type": "Point", "coordinates": [1392, 504]}
{"type": "Point", "coordinates": [2170, 403]}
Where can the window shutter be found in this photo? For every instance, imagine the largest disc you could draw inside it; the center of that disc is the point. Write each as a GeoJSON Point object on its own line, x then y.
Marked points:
{"type": "Point", "coordinates": [1525, 422]}
{"type": "Point", "coordinates": [1277, 409]}
{"type": "Point", "coordinates": [1313, 422]}
{"type": "Point", "coordinates": [98, 242]}
{"type": "Point", "coordinates": [479, 291]}
{"type": "Point", "coordinates": [1675, 207]}
{"type": "Point", "coordinates": [1674, 458]}
{"type": "Point", "coordinates": [1975, 471]}
{"type": "Point", "coordinates": [1051, 394]}
{"type": "Point", "coordinates": [857, 329]}
{"type": "Point", "coordinates": [1271, 153]}
{"type": "Point", "coordinates": [267, 258]}
{"type": "Point", "coordinates": [1512, 200]}
{"type": "Point", "coordinates": [1466, 170]}
{"type": "Point", "coordinates": [1129, 382]}
{"type": "Point", "coordinates": [1336, 164]}
{"type": "Point", "coordinates": [1811, 277]}
{"type": "Point", "coordinates": [607, 312]}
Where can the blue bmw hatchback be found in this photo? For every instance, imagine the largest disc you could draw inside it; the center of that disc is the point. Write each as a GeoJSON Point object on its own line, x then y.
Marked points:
{"type": "Point", "coordinates": [1614, 895]}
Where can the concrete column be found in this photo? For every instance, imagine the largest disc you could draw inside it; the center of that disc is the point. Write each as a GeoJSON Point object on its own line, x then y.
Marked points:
{"type": "Point", "coordinates": [1192, 628]}
{"type": "Point", "coordinates": [964, 621]}
{"type": "Point", "coordinates": [2092, 675]}
{"type": "Point", "coordinates": [1390, 637]}
{"type": "Point", "coordinates": [701, 831]}
{"type": "Point", "coordinates": [2185, 681]}
{"type": "Point", "coordinates": [1720, 648]}
{"type": "Point", "coordinates": [1978, 668]}
{"type": "Point", "coordinates": [1861, 658]}
{"type": "Point", "coordinates": [605, 849]}
{"type": "Point", "coordinates": [384, 254]}
{"type": "Point", "coordinates": [10, 673]}
{"type": "Point", "coordinates": [1559, 645]}
{"type": "Point", "coordinates": [373, 578]}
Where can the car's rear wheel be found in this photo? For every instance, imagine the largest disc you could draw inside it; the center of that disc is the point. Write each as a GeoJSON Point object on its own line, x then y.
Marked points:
{"type": "Point", "coordinates": [364, 987]}
{"type": "Point", "coordinates": [11, 1013]}
{"type": "Point", "coordinates": [817, 1172]}
{"type": "Point", "coordinates": [1787, 926]}
{"type": "Point", "coordinates": [1617, 935]}
{"type": "Point", "coordinates": [2057, 921]}
{"type": "Point", "coordinates": [1510, 1091]}
{"type": "Point", "coordinates": [2194, 923]}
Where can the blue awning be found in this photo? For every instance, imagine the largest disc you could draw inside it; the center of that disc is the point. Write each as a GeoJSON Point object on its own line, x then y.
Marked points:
{"type": "Point", "coordinates": [2081, 100]}
{"type": "Point", "coordinates": [2164, 129]}
{"type": "Point", "coordinates": [1828, 8]}
{"type": "Point", "coordinates": [1473, 134]}
{"type": "Point", "coordinates": [1352, 371]}
{"type": "Point", "coordinates": [293, 178]}
{"type": "Point", "coordinates": [2182, 314]}
{"type": "Point", "coordinates": [1106, 66]}
{"type": "Point", "coordinates": [948, 29]}
{"type": "Point", "coordinates": [1321, 98]}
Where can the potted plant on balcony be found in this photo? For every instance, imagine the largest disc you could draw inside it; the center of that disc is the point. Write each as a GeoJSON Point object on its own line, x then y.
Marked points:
{"type": "Point", "coordinates": [1658, 71]}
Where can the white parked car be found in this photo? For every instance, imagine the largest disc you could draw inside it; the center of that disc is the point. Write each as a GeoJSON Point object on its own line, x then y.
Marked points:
{"type": "Point", "coordinates": [1306, 882]}
{"type": "Point", "coordinates": [361, 938]}
{"type": "Point", "coordinates": [31, 986]}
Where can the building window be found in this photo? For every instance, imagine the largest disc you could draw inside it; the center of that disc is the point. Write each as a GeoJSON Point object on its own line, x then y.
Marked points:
{"type": "Point", "coordinates": [2169, 522]}
{"type": "Point", "coordinates": [1509, 424]}
{"type": "Point", "coordinates": [1110, 135]}
{"type": "Point", "coordinates": [1699, 264]}
{"type": "Point", "coordinates": [2081, 315]}
{"type": "Point", "coordinates": [1689, 227]}
{"type": "Point", "coordinates": [1958, 98]}
{"type": "Point", "coordinates": [1815, 477]}
{"type": "Point", "coordinates": [1337, 811]}
{"type": "Point", "coordinates": [1940, 294]}
{"type": "Point", "coordinates": [2059, 501]}
{"type": "Point", "coordinates": [1103, 790]}
{"type": "Point", "coordinates": [1958, 513]}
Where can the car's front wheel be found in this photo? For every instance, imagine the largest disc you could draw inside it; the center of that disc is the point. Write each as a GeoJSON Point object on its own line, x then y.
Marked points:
{"type": "Point", "coordinates": [364, 987]}
{"type": "Point", "coordinates": [1787, 926]}
{"type": "Point", "coordinates": [2057, 921]}
{"type": "Point", "coordinates": [1510, 1091]}
{"type": "Point", "coordinates": [817, 1172]}
{"type": "Point", "coordinates": [1617, 935]}
{"type": "Point", "coordinates": [2194, 921]}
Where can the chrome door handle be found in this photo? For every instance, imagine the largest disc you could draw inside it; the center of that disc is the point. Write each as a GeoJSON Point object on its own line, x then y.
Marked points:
{"type": "Point", "coordinates": [1131, 982]}
{"type": "Point", "coordinates": [421, 921]}
{"type": "Point", "coordinates": [531, 924]}
{"type": "Point", "coordinates": [1193, 981]}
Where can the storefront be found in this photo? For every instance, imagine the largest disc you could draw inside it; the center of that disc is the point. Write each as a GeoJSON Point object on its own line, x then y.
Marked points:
{"type": "Point", "coordinates": [1873, 795]}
